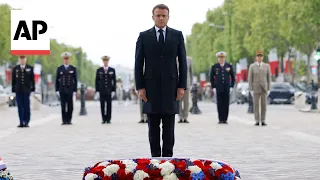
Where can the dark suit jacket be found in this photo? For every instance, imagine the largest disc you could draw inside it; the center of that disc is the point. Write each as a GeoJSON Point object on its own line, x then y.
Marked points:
{"type": "Point", "coordinates": [23, 81]}
{"type": "Point", "coordinates": [66, 79]}
{"type": "Point", "coordinates": [106, 82]}
{"type": "Point", "coordinates": [156, 70]}
{"type": "Point", "coordinates": [222, 78]}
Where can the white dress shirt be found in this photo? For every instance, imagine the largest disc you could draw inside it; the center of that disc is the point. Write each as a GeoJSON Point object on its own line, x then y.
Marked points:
{"type": "Point", "coordinates": [105, 68]}
{"type": "Point", "coordinates": [22, 66]}
{"type": "Point", "coordinates": [259, 64]}
{"type": "Point", "coordinates": [158, 33]}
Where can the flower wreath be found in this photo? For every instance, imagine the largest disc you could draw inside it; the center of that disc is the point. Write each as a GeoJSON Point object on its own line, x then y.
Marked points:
{"type": "Point", "coordinates": [158, 169]}
{"type": "Point", "coordinates": [5, 175]}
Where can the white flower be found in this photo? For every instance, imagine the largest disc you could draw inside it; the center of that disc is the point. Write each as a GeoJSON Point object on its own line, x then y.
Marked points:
{"type": "Point", "coordinates": [155, 162]}
{"type": "Point", "coordinates": [215, 165]}
{"type": "Point", "coordinates": [90, 176]}
{"type": "Point", "coordinates": [166, 168]}
{"type": "Point", "coordinates": [104, 163]}
{"type": "Point", "coordinates": [194, 169]}
{"type": "Point", "coordinates": [140, 175]}
{"type": "Point", "coordinates": [111, 169]}
{"type": "Point", "coordinates": [130, 166]}
{"type": "Point", "coordinates": [171, 176]}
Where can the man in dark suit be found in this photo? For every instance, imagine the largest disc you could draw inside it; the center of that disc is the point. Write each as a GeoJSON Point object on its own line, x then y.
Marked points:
{"type": "Point", "coordinates": [66, 87]}
{"type": "Point", "coordinates": [222, 81]}
{"type": "Point", "coordinates": [106, 86]}
{"type": "Point", "coordinates": [23, 84]}
{"type": "Point", "coordinates": [158, 83]}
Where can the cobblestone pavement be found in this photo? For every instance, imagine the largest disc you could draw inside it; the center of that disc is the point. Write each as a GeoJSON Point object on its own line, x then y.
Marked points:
{"type": "Point", "coordinates": [288, 148]}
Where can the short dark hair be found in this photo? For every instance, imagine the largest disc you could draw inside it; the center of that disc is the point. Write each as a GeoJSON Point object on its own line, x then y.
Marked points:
{"type": "Point", "coordinates": [160, 6]}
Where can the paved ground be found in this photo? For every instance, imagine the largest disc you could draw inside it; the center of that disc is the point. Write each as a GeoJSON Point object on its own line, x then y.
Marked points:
{"type": "Point", "coordinates": [288, 148]}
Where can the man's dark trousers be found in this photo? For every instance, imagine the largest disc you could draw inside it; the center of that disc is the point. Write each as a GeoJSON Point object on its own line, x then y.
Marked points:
{"type": "Point", "coordinates": [168, 122]}
{"type": "Point", "coordinates": [23, 101]}
{"type": "Point", "coordinates": [223, 105]}
{"type": "Point", "coordinates": [66, 107]}
{"type": "Point", "coordinates": [105, 99]}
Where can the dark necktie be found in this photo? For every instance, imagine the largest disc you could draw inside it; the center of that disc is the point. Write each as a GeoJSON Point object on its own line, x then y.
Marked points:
{"type": "Point", "coordinates": [161, 37]}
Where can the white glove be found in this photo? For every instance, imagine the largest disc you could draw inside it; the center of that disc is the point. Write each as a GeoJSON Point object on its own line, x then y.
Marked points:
{"type": "Point", "coordinates": [32, 94]}
{"type": "Point", "coordinates": [74, 93]}
{"type": "Point", "coordinates": [97, 94]}
{"type": "Point", "coordinates": [58, 94]}
{"type": "Point", "coordinates": [112, 94]}
{"type": "Point", "coordinates": [231, 89]}
{"type": "Point", "coordinates": [251, 92]}
{"type": "Point", "coordinates": [268, 93]}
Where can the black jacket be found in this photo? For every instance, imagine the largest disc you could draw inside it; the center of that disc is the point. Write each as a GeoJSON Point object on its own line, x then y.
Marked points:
{"type": "Point", "coordinates": [23, 80]}
{"type": "Point", "coordinates": [106, 81]}
{"type": "Point", "coordinates": [156, 70]}
{"type": "Point", "coordinates": [66, 79]}
{"type": "Point", "coordinates": [222, 78]}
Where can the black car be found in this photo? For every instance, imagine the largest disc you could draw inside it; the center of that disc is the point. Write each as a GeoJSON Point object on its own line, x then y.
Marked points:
{"type": "Point", "coordinates": [281, 93]}
{"type": "Point", "coordinates": [242, 92]}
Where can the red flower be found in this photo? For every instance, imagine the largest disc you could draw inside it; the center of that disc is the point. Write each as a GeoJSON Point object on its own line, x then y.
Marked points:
{"type": "Point", "coordinates": [121, 165]}
{"type": "Point", "coordinates": [143, 161]}
{"type": "Point", "coordinates": [122, 174]}
{"type": "Point", "coordinates": [182, 165]}
{"type": "Point", "coordinates": [98, 170]}
{"type": "Point", "coordinates": [224, 170]}
{"type": "Point", "coordinates": [207, 163]}
{"type": "Point", "coordinates": [198, 163]}
{"type": "Point", "coordinates": [162, 161]}
{"type": "Point", "coordinates": [154, 173]}
{"type": "Point", "coordinates": [107, 178]}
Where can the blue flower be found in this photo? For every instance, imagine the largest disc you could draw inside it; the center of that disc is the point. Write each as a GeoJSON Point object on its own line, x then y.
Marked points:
{"type": "Point", "coordinates": [212, 171]}
{"type": "Point", "coordinates": [198, 176]}
{"type": "Point", "coordinates": [237, 174]}
{"type": "Point", "coordinates": [228, 176]}
{"type": "Point", "coordinates": [87, 169]}
{"type": "Point", "coordinates": [189, 163]}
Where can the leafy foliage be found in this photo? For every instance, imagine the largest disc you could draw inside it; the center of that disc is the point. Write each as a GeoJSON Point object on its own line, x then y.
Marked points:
{"type": "Point", "coordinates": [281, 24]}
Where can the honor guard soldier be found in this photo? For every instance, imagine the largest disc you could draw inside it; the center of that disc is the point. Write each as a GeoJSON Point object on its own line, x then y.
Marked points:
{"type": "Point", "coordinates": [23, 84]}
{"type": "Point", "coordinates": [66, 87]}
{"type": "Point", "coordinates": [106, 87]}
{"type": "Point", "coordinates": [222, 81]}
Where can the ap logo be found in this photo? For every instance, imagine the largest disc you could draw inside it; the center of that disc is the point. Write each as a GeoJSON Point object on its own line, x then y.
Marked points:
{"type": "Point", "coordinates": [29, 33]}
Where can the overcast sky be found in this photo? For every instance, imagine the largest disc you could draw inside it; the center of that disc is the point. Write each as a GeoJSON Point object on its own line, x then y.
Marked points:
{"type": "Point", "coordinates": [111, 28]}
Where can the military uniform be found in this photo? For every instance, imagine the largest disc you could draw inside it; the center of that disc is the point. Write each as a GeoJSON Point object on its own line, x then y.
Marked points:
{"type": "Point", "coordinates": [66, 85]}
{"type": "Point", "coordinates": [106, 84]}
{"type": "Point", "coordinates": [23, 84]}
{"type": "Point", "coordinates": [222, 79]}
{"type": "Point", "coordinates": [184, 101]}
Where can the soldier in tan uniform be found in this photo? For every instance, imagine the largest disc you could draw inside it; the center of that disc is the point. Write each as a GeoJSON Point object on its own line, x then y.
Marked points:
{"type": "Point", "coordinates": [184, 102]}
{"type": "Point", "coordinates": [259, 85]}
